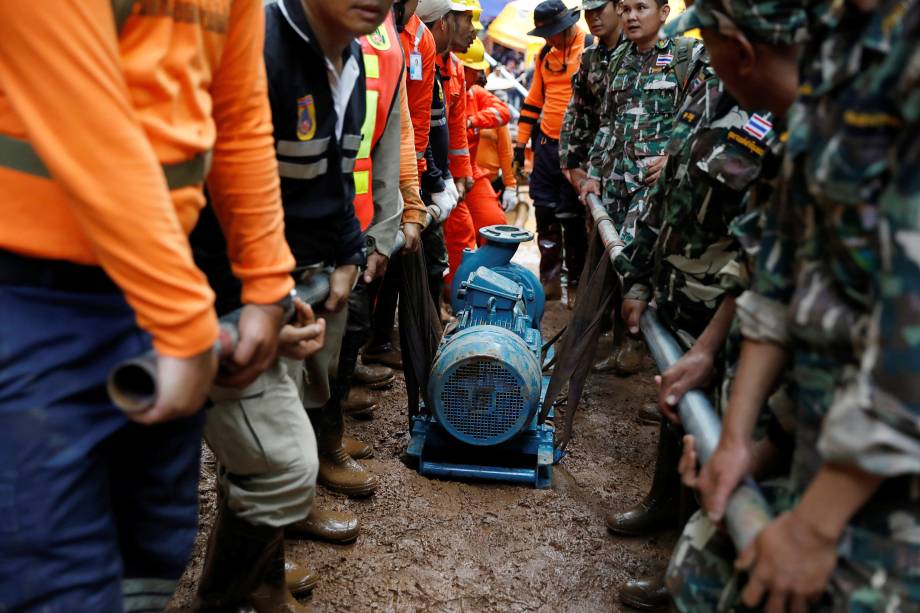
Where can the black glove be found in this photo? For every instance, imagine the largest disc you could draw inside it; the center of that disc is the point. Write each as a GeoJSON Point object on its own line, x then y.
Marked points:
{"type": "Point", "coordinates": [517, 163]}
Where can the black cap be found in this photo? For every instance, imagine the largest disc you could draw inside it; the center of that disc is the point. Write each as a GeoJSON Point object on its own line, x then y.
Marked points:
{"type": "Point", "coordinates": [552, 17]}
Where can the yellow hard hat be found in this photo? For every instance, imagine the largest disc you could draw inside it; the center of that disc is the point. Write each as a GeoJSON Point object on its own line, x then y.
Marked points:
{"type": "Point", "coordinates": [476, 9]}
{"type": "Point", "coordinates": [474, 57]}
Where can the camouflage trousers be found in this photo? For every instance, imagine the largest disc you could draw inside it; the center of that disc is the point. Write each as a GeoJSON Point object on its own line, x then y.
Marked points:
{"type": "Point", "coordinates": [624, 210]}
{"type": "Point", "coordinates": [701, 574]}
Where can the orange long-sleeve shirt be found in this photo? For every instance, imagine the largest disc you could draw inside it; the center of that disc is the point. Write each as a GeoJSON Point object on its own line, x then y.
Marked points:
{"type": "Point", "coordinates": [416, 39]}
{"type": "Point", "coordinates": [550, 90]}
{"type": "Point", "coordinates": [454, 83]}
{"type": "Point", "coordinates": [413, 207]}
{"type": "Point", "coordinates": [495, 154]}
{"type": "Point", "coordinates": [483, 110]}
{"type": "Point", "coordinates": [104, 111]}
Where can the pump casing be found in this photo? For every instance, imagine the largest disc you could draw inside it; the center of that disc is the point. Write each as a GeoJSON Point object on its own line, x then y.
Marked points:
{"type": "Point", "coordinates": [486, 383]}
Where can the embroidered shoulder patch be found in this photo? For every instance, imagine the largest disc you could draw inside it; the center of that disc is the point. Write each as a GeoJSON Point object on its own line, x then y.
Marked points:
{"type": "Point", "coordinates": [758, 126]}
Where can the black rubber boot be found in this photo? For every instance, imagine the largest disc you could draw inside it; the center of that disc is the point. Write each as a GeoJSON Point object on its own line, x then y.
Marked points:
{"type": "Point", "coordinates": [660, 509]}
{"type": "Point", "coordinates": [273, 595]}
{"type": "Point", "coordinates": [645, 594]}
{"type": "Point", "coordinates": [237, 559]}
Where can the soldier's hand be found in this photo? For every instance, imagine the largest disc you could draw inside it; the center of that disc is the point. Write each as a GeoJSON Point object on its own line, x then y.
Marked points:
{"type": "Point", "coordinates": [687, 465]}
{"type": "Point", "coordinates": [341, 281]}
{"type": "Point", "coordinates": [183, 387]}
{"type": "Point", "coordinates": [631, 312]}
{"type": "Point", "coordinates": [376, 266]}
{"type": "Point", "coordinates": [693, 370]}
{"type": "Point", "coordinates": [653, 170]}
{"type": "Point", "coordinates": [413, 234]}
{"type": "Point", "coordinates": [731, 461]}
{"type": "Point", "coordinates": [588, 186]}
{"type": "Point", "coordinates": [258, 346]}
{"type": "Point", "coordinates": [304, 337]}
{"type": "Point", "coordinates": [576, 177]}
{"type": "Point", "coordinates": [789, 563]}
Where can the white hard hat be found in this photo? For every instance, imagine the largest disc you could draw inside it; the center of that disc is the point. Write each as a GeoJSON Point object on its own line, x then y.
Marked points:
{"type": "Point", "coordinates": [432, 10]}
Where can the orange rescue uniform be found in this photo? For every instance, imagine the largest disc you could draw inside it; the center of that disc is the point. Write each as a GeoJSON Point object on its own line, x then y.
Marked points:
{"type": "Point", "coordinates": [104, 112]}
{"type": "Point", "coordinates": [483, 110]}
{"type": "Point", "coordinates": [417, 40]}
{"type": "Point", "coordinates": [495, 154]}
{"type": "Point", "coordinates": [550, 90]}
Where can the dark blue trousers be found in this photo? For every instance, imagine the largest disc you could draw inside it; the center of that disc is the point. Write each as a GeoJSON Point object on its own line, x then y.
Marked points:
{"type": "Point", "coordinates": [88, 499]}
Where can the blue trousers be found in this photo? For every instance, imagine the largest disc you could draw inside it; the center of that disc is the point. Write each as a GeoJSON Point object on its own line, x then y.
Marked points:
{"type": "Point", "coordinates": [89, 501]}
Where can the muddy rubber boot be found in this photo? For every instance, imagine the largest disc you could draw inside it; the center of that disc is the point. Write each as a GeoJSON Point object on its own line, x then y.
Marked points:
{"type": "Point", "coordinates": [649, 415]}
{"type": "Point", "coordinates": [338, 471]}
{"type": "Point", "coordinates": [374, 376]}
{"type": "Point", "coordinates": [357, 449]}
{"type": "Point", "coordinates": [660, 509]}
{"type": "Point", "coordinates": [608, 362]}
{"type": "Point", "coordinates": [272, 595]}
{"type": "Point", "coordinates": [331, 526]}
{"type": "Point", "coordinates": [645, 594]}
{"type": "Point", "coordinates": [300, 581]}
{"type": "Point", "coordinates": [237, 558]}
{"type": "Point", "coordinates": [550, 244]}
{"type": "Point", "coordinates": [387, 354]}
{"type": "Point", "coordinates": [571, 294]}
{"type": "Point", "coordinates": [358, 401]}
{"type": "Point", "coordinates": [628, 360]}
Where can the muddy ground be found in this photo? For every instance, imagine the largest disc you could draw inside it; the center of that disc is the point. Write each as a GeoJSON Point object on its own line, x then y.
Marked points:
{"type": "Point", "coordinates": [430, 545]}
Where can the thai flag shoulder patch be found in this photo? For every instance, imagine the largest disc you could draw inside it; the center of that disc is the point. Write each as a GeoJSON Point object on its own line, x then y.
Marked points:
{"type": "Point", "coordinates": [758, 126]}
{"type": "Point", "coordinates": [664, 59]}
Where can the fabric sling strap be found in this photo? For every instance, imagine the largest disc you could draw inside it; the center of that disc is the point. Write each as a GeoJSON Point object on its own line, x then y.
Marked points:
{"type": "Point", "coordinates": [17, 154]}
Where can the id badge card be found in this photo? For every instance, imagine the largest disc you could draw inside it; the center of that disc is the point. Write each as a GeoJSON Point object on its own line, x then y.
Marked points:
{"type": "Point", "coordinates": [415, 66]}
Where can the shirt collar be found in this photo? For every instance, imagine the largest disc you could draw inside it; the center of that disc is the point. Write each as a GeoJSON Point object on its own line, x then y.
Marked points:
{"type": "Point", "coordinates": [297, 20]}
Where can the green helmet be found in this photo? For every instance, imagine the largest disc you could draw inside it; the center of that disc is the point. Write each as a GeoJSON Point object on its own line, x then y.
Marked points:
{"type": "Point", "coordinates": [590, 5]}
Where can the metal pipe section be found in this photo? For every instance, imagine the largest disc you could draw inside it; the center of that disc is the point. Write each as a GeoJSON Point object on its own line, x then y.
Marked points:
{"type": "Point", "coordinates": [133, 385]}
{"type": "Point", "coordinates": [747, 511]}
{"type": "Point", "coordinates": [434, 216]}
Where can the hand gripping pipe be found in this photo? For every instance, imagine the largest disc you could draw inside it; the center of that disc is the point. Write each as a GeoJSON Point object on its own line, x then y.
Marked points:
{"type": "Point", "coordinates": [747, 512]}
{"type": "Point", "coordinates": [434, 215]}
{"type": "Point", "coordinates": [133, 384]}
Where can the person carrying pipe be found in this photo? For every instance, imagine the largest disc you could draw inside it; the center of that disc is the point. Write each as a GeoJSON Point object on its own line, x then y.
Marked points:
{"type": "Point", "coordinates": [835, 299]}
{"type": "Point", "coordinates": [483, 111]}
{"type": "Point", "coordinates": [686, 256]}
{"type": "Point", "coordinates": [100, 509]}
{"type": "Point", "coordinates": [647, 78]}
{"type": "Point", "coordinates": [384, 179]}
{"type": "Point", "coordinates": [579, 127]}
{"type": "Point", "coordinates": [427, 110]}
{"type": "Point", "coordinates": [454, 33]}
{"type": "Point", "coordinates": [560, 217]}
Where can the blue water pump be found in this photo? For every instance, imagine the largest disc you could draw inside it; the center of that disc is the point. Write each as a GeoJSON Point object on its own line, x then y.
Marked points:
{"type": "Point", "coordinates": [486, 384]}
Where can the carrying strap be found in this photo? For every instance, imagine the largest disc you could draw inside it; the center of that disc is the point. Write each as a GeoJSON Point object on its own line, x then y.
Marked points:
{"type": "Point", "coordinates": [17, 154]}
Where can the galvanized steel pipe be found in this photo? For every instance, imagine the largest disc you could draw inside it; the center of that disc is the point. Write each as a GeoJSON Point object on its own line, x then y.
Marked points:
{"type": "Point", "coordinates": [747, 512]}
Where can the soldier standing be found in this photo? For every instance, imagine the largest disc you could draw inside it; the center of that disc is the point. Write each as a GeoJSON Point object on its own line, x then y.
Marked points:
{"type": "Point", "coordinates": [647, 78]}
{"type": "Point", "coordinates": [835, 291]}
{"type": "Point", "coordinates": [685, 255]}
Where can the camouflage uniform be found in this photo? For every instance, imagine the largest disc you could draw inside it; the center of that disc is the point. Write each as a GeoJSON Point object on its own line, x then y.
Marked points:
{"type": "Point", "coordinates": [644, 91]}
{"type": "Point", "coordinates": [582, 117]}
{"type": "Point", "coordinates": [683, 250]}
{"type": "Point", "coordinates": [838, 282]}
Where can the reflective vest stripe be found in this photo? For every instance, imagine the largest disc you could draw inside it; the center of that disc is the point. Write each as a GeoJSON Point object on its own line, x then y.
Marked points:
{"type": "Point", "coordinates": [383, 65]}
{"type": "Point", "coordinates": [298, 148]}
{"type": "Point", "coordinates": [17, 154]}
{"type": "Point", "coordinates": [290, 170]}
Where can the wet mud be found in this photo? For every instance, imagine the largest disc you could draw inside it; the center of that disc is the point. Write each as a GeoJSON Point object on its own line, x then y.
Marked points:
{"type": "Point", "coordinates": [432, 545]}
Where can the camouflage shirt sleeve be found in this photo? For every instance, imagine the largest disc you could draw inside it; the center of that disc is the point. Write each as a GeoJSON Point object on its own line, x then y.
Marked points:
{"type": "Point", "coordinates": [874, 421]}
{"type": "Point", "coordinates": [601, 144]}
{"type": "Point", "coordinates": [580, 122]}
